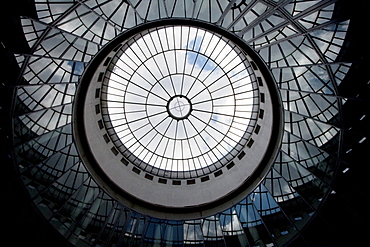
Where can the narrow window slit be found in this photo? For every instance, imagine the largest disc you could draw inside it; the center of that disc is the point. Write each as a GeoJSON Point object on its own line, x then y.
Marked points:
{"type": "Point", "coordinates": [148, 176]}
{"type": "Point", "coordinates": [241, 155]}
{"type": "Point", "coordinates": [97, 109]}
{"type": "Point", "coordinates": [176, 182]}
{"type": "Point", "coordinates": [191, 181]}
{"type": "Point", "coordinates": [114, 151]}
{"type": "Point", "coordinates": [106, 138]}
{"type": "Point", "coordinates": [230, 165]}
{"type": "Point", "coordinates": [137, 171]}
{"type": "Point", "coordinates": [250, 143]}
{"type": "Point", "coordinates": [261, 113]}
{"type": "Point", "coordinates": [162, 181]}
{"type": "Point", "coordinates": [218, 173]}
{"type": "Point", "coordinates": [106, 62]}
{"type": "Point", "coordinates": [100, 77]}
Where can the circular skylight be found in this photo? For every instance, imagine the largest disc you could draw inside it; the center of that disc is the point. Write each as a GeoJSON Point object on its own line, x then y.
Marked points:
{"type": "Point", "coordinates": [177, 119]}
{"type": "Point", "coordinates": [180, 98]}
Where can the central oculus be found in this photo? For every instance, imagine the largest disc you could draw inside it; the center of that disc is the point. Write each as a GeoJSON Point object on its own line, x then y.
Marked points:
{"type": "Point", "coordinates": [179, 107]}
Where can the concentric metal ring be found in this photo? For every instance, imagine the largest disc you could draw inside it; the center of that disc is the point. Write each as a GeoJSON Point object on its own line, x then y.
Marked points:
{"type": "Point", "coordinates": [184, 133]}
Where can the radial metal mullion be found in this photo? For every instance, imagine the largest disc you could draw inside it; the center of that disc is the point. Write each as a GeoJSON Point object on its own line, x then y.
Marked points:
{"type": "Point", "coordinates": [218, 142]}
{"type": "Point", "coordinates": [299, 232]}
{"type": "Point", "coordinates": [321, 63]}
{"type": "Point", "coordinates": [195, 2]}
{"type": "Point", "coordinates": [49, 186]}
{"type": "Point", "coordinates": [79, 223]}
{"type": "Point", "coordinates": [230, 127]}
{"type": "Point", "coordinates": [115, 11]}
{"type": "Point", "coordinates": [135, 120]}
{"type": "Point", "coordinates": [332, 105]}
{"type": "Point", "coordinates": [105, 223]}
{"type": "Point", "coordinates": [225, 96]}
{"type": "Point", "coordinates": [293, 21]}
{"type": "Point", "coordinates": [174, 149]}
{"type": "Point", "coordinates": [241, 15]}
{"type": "Point", "coordinates": [55, 27]}
{"type": "Point", "coordinates": [42, 37]}
{"type": "Point", "coordinates": [318, 6]}
{"type": "Point", "coordinates": [58, 115]}
{"type": "Point", "coordinates": [219, 78]}
{"type": "Point", "coordinates": [315, 119]}
{"type": "Point", "coordinates": [150, 4]}
{"type": "Point", "coordinates": [262, 220]}
{"type": "Point", "coordinates": [43, 134]}
{"type": "Point", "coordinates": [120, 241]}
{"type": "Point", "coordinates": [310, 144]}
{"type": "Point", "coordinates": [165, 59]}
{"type": "Point", "coordinates": [165, 7]}
{"type": "Point", "coordinates": [208, 57]}
{"type": "Point", "coordinates": [183, 69]}
{"type": "Point", "coordinates": [149, 154]}
{"type": "Point", "coordinates": [115, 225]}
{"type": "Point", "coordinates": [298, 163]}
{"type": "Point", "coordinates": [189, 144]}
{"type": "Point", "coordinates": [196, 57]}
{"type": "Point", "coordinates": [162, 136]}
{"type": "Point", "coordinates": [196, 142]}
{"type": "Point", "coordinates": [91, 10]}
{"type": "Point", "coordinates": [131, 103]}
{"type": "Point", "coordinates": [304, 102]}
{"type": "Point", "coordinates": [131, 81]}
{"type": "Point", "coordinates": [58, 211]}
{"type": "Point", "coordinates": [331, 77]}
{"type": "Point", "coordinates": [325, 85]}
{"type": "Point", "coordinates": [29, 168]}
{"type": "Point", "coordinates": [106, 91]}
{"type": "Point", "coordinates": [263, 16]}
{"type": "Point", "coordinates": [225, 12]}
{"type": "Point", "coordinates": [200, 149]}
{"type": "Point", "coordinates": [144, 136]}
{"type": "Point", "coordinates": [31, 96]}
{"type": "Point", "coordinates": [277, 27]}
{"type": "Point", "coordinates": [148, 69]}
{"type": "Point", "coordinates": [135, 39]}
{"type": "Point", "coordinates": [221, 132]}
{"type": "Point", "coordinates": [133, 66]}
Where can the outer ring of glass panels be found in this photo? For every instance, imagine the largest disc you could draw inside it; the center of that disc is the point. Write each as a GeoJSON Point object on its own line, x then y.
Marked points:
{"type": "Point", "coordinates": [187, 206]}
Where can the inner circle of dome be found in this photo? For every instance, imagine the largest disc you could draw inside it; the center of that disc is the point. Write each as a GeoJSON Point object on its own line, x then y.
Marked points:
{"type": "Point", "coordinates": [179, 107]}
{"type": "Point", "coordinates": [171, 112]}
{"type": "Point", "coordinates": [187, 102]}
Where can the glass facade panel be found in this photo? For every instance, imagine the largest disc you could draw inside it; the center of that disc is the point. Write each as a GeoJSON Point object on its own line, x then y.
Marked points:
{"type": "Point", "coordinates": [301, 43]}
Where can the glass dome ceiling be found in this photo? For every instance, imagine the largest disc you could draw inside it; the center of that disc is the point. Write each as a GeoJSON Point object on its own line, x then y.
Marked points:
{"type": "Point", "coordinates": [188, 98]}
{"type": "Point", "coordinates": [299, 41]}
{"type": "Point", "coordinates": [195, 136]}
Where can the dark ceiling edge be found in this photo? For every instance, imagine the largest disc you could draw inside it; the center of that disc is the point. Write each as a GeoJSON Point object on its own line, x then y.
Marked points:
{"type": "Point", "coordinates": [343, 218]}
{"type": "Point", "coordinates": [23, 224]}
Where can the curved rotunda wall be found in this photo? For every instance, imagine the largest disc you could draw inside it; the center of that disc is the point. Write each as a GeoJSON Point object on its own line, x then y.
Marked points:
{"type": "Point", "coordinates": [179, 192]}
{"type": "Point", "coordinates": [298, 41]}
